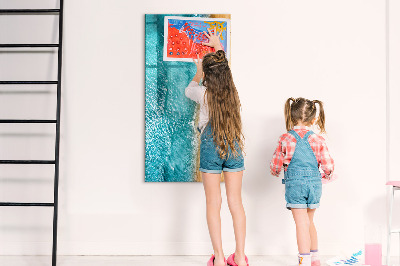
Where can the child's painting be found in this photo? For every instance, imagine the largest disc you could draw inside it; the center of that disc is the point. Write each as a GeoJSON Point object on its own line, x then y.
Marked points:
{"type": "Point", "coordinates": [183, 37]}
{"type": "Point", "coordinates": [171, 137]}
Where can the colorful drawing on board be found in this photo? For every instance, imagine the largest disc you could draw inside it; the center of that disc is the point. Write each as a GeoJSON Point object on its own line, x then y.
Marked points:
{"type": "Point", "coordinates": [183, 37]}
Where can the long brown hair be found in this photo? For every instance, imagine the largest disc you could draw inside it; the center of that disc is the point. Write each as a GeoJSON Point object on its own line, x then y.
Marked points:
{"type": "Point", "coordinates": [303, 110]}
{"type": "Point", "coordinates": [223, 104]}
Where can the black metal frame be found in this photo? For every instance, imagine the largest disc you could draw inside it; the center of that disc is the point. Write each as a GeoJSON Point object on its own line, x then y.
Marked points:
{"type": "Point", "coordinates": [56, 160]}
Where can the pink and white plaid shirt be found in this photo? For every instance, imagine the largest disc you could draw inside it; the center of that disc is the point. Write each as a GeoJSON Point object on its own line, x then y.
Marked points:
{"type": "Point", "coordinates": [287, 144]}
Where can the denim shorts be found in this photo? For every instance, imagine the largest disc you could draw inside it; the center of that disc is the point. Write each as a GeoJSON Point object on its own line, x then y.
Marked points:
{"type": "Point", "coordinates": [210, 160]}
{"type": "Point", "coordinates": [303, 193]}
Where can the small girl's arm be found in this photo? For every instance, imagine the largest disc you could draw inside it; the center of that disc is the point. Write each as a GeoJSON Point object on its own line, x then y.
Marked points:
{"type": "Point", "coordinates": [327, 163]}
{"type": "Point", "coordinates": [277, 159]}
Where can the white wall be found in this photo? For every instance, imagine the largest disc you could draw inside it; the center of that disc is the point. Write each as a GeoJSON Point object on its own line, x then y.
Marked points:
{"type": "Point", "coordinates": [333, 51]}
{"type": "Point", "coordinates": [393, 109]}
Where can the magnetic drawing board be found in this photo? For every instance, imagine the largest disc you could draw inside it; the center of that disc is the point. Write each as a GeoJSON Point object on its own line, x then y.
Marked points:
{"type": "Point", "coordinates": [183, 37]}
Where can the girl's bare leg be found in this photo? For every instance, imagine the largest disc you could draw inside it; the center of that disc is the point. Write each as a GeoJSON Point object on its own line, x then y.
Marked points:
{"type": "Point", "coordinates": [233, 184]}
{"type": "Point", "coordinates": [212, 190]}
{"type": "Point", "coordinates": [302, 221]}
{"type": "Point", "coordinates": [313, 230]}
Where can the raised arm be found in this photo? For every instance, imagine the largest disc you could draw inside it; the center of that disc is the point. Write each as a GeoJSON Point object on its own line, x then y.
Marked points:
{"type": "Point", "coordinates": [194, 91]}
{"type": "Point", "coordinates": [199, 72]}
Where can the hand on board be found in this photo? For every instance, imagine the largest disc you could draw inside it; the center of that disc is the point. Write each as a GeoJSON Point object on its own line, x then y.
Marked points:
{"type": "Point", "coordinates": [213, 39]}
{"type": "Point", "coordinates": [199, 73]}
{"type": "Point", "coordinates": [199, 64]}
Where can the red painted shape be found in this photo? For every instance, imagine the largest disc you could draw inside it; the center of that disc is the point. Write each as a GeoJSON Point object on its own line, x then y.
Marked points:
{"type": "Point", "coordinates": [181, 46]}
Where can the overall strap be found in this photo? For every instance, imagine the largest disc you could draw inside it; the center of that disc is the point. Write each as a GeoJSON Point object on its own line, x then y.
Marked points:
{"type": "Point", "coordinates": [308, 134]}
{"type": "Point", "coordinates": [294, 133]}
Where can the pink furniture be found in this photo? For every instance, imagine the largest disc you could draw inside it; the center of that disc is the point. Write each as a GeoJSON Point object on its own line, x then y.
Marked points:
{"type": "Point", "coordinates": [394, 185]}
{"type": "Point", "coordinates": [373, 254]}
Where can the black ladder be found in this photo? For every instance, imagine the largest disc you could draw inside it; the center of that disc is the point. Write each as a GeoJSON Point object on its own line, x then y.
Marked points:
{"type": "Point", "coordinates": [57, 82]}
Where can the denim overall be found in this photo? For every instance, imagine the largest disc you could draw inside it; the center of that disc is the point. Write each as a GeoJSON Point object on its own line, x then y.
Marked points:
{"type": "Point", "coordinates": [302, 181]}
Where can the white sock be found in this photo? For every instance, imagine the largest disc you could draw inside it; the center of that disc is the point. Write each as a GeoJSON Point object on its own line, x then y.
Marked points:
{"type": "Point", "coordinates": [314, 255]}
{"type": "Point", "coordinates": [305, 260]}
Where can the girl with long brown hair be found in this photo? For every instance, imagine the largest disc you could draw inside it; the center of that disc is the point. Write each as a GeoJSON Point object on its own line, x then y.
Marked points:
{"type": "Point", "coordinates": [221, 147]}
{"type": "Point", "coordinates": [302, 153]}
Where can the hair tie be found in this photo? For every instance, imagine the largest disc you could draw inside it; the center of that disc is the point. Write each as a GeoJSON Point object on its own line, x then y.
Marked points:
{"type": "Point", "coordinates": [218, 64]}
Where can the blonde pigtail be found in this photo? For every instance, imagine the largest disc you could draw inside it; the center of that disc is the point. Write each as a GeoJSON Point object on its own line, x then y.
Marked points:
{"type": "Point", "coordinates": [321, 116]}
{"type": "Point", "coordinates": [288, 114]}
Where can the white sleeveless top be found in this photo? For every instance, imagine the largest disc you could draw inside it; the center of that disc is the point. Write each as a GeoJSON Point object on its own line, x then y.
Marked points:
{"type": "Point", "coordinates": [196, 93]}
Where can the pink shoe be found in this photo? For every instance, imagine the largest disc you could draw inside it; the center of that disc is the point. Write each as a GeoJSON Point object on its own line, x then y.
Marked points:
{"type": "Point", "coordinates": [211, 261]}
{"type": "Point", "coordinates": [316, 263]}
{"type": "Point", "coordinates": [231, 260]}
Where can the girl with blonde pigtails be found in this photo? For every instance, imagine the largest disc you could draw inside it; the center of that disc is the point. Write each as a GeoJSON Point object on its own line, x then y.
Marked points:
{"type": "Point", "coordinates": [302, 154]}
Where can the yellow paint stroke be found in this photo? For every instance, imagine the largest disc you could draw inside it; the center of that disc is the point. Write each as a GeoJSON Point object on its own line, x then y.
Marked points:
{"type": "Point", "coordinates": [216, 25]}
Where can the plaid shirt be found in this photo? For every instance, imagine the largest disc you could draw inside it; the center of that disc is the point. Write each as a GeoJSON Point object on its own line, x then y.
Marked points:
{"type": "Point", "coordinates": [287, 144]}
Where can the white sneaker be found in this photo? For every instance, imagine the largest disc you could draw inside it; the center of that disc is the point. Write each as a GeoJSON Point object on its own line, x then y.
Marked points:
{"type": "Point", "coordinates": [315, 259]}
{"type": "Point", "coordinates": [304, 260]}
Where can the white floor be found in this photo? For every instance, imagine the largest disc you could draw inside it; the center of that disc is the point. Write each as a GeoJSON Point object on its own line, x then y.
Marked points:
{"type": "Point", "coordinates": [135, 260]}
{"type": "Point", "coordinates": [142, 260]}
